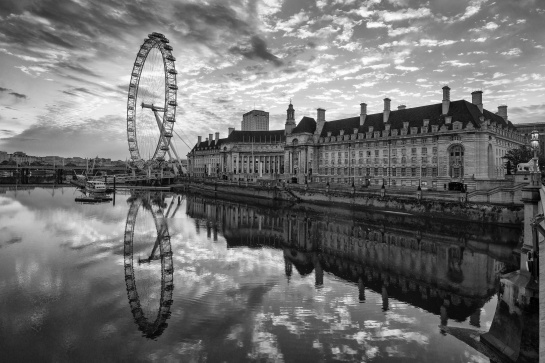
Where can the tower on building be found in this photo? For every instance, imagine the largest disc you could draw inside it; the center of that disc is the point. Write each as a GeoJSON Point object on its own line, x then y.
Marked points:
{"type": "Point", "coordinates": [290, 119]}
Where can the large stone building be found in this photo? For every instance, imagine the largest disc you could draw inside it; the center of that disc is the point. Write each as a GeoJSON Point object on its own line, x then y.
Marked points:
{"type": "Point", "coordinates": [428, 146]}
{"type": "Point", "coordinates": [432, 145]}
{"type": "Point", "coordinates": [255, 120]}
{"type": "Point", "coordinates": [242, 155]}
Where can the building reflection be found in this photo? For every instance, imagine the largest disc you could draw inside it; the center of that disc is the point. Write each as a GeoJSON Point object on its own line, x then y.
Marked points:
{"type": "Point", "coordinates": [160, 252]}
{"type": "Point", "coordinates": [450, 270]}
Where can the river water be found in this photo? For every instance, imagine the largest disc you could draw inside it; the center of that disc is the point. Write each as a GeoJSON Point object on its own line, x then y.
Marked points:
{"type": "Point", "coordinates": [174, 277]}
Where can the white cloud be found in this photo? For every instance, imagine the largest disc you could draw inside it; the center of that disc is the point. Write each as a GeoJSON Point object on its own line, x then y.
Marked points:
{"type": "Point", "coordinates": [498, 75]}
{"type": "Point", "coordinates": [515, 52]}
{"type": "Point", "coordinates": [363, 12]}
{"type": "Point", "coordinates": [406, 14]}
{"type": "Point", "coordinates": [479, 40]}
{"type": "Point", "coordinates": [376, 24]}
{"type": "Point", "coordinates": [472, 9]}
{"type": "Point", "coordinates": [456, 63]}
{"type": "Point", "coordinates": [488, 26]}
{"type": "Point", "coordinates": [410, 69]}
{"type": "Point", "coordinates": [370, 59]}
{"type": "Point", "coordinates": [379, 66]}
{"type": "Point", "coordinates": [395, 43]}
{"type": "Point", "coordinates": [292, 22]}
{"type": "Point", "coordinates": [401, 31]}
{"type": "Point", "coordinates": [434, 43]}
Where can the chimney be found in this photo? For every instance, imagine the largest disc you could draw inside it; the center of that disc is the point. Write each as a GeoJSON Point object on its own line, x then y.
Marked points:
{"type": "Point", "coordinates": [446, 99]}
{"type": "Point", "coordinates": [401, 107]}
{"type": "Point", "coordinates": [363, 113]}
{"type": "Point", "coordinates": [502, 111]}
{"type": "Point", "coordinates": [477, 99]}
{"type": "Point", "coordinates": [231, 129]}
{"type": "Point", "coordinates": [321, 115]}
{"type": "Point", "coordinates": [199, 140]}
{"type": "Point", "coordinates": [386, 112]}
{"type": "Point", "coordinates": [217, 137]}
{"type": "Point", "coordinates": [209, 139]}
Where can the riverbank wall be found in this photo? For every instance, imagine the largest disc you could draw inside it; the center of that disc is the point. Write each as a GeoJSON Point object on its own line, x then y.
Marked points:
{"type": "Point", "coordinates": [432, 204]}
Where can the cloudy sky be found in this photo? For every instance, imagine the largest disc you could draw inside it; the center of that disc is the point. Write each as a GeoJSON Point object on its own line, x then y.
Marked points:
{"type": "Point", "coordinates": [65, 64]}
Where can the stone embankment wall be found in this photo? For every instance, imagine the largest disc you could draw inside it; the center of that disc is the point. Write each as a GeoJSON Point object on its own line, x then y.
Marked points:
{"type": "Point", "coordinates": [430, 204]}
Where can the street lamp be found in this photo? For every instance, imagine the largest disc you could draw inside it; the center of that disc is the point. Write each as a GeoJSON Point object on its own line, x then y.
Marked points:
{"type": "Point", "coordinates": [534, 143]}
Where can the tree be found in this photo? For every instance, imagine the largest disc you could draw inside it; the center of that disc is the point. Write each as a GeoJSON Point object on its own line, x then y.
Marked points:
{"type": "Point", "coordinates": [522, 154]}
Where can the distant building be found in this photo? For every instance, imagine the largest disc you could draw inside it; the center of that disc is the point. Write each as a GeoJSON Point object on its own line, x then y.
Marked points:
{"type": "Point", "coordinates": [243, 155]}
{"type": "Point", "coordinates": [52, 160]}
{"type": "Point", "coordinates": [4, 156]}
{"type": "Point", "coordinates": [21, 158]}
{"type": "Point", "coordinates": [527, 128]}
{"type": "Point", "coordinates": [255, 120]}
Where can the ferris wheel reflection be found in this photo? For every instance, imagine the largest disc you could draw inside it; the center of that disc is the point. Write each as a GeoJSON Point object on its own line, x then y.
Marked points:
{"type": "Point", "coordinates": [161, 251]}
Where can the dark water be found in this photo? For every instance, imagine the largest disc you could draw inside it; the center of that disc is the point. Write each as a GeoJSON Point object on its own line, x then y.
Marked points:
{"type": "Point", "coordinates": [164, 277]}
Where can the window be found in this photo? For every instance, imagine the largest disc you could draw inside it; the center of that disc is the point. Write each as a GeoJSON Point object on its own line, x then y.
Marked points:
{"type": "Point", "coordinates": [384, 171]}
{"type": "Point", "coordinates": [434, 172]}
{"type": "Point", "coordinates": [376, 171]}
{"type": "Point", "coordinates": [402, 171]}
{"type": "Point", "coordinates": [361, 153]}
{"type": "Point", "coordinates": [423, 172]}
{"type": "Point", "coordinates": [434, 150]}
{"type": "Point", "coordinates": [394, 171]}
{"type": "Point", "coordinates": [424, 151]}
{"type": "Point", "coordinates": [376, 152]}
{"type": "Point", "coordinates": [403, 152]}
{"type": "Point", "coordinates": [413, 171]}
{"type": "Point", "coordinates": [413, 151]}
{"type": "Point", "coordinates": [394, 152]}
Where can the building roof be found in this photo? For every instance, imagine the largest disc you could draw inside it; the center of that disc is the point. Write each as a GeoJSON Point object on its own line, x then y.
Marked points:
{"type": "Point", "coordinates": [273, 136]}
{"type": "Point", "coordinates": [307, 124]}
{"type": "Point", "coordinates": [460, 110]}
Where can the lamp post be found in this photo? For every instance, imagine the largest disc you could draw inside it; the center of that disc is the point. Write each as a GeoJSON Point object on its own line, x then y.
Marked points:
{"type": "Point", "coordinates": [534, 143]}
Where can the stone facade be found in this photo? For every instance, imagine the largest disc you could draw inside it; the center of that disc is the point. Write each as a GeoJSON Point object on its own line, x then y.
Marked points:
{"type": "Point", "coordinates": [431, 146]}
{"type": "Point", "coordinates": [243, 155]}
{"type": "Point", "coordinates": [428, 146]}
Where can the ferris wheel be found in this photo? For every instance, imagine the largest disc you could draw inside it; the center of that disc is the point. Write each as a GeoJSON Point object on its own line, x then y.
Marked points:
{"type": "Point", "coordinates": [152, 89]}
{"type": "Point", "coordinates": [161, 251]}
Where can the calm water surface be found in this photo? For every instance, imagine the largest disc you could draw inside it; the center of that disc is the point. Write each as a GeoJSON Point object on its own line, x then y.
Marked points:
{"type": "Point", "coordinates": [164, 277]}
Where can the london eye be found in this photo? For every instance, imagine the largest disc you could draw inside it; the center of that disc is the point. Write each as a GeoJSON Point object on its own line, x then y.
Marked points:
{"type": "Point", "coordinates": [161, 250]}
{"type": "Point", "coordinates": [151, 103]}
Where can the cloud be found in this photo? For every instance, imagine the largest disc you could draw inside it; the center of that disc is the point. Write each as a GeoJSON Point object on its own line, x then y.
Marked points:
{"type": "Point", "coordinates": [410, 69]}
{"type": "Point", "coordinates": [456, 63]}
{"type": "Point", "coordinates": [530, 113]}
{"type": "Point", "coordinates": [514, 52]}
{"type": "Point", "coordinates": [400, 31]}
{"type": "Point", "coordinates": [18, 95]}
{"type": "Point", "coordinates": [257, 50]}
{"type": "Point", "coordinates": [406, 14]}
{"type": "Point", "coordinates": [488, 26]}
{"type": "Point", "coordinates": [376, 24]}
